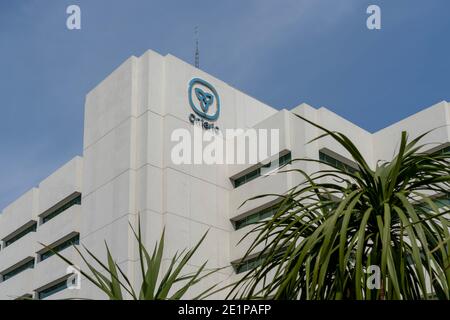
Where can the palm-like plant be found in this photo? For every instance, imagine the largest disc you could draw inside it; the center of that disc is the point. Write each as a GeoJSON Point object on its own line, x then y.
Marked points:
{"type": "Point", "coordinates": [331, 228]}
{"type": "Point", "coordinates": [110, 278]}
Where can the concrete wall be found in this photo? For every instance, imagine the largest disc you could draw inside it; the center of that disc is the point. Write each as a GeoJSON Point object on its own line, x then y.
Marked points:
{"type": "Point", "coordinates": [64, 182]}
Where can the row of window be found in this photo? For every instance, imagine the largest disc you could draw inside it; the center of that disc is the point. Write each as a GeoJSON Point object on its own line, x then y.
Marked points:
{"type": "Point", "coordinates": [75, 240]}
{"type": "Point", "coordinates": [64, 207]}
{"type": "Point", "coordinates": [255, 217]}
{"type": "Point", "coordinates": [21, 234]}
{"type": "Point", "coordinates": [248, 264]}
{"type": "Point", "coordinates": [47, 292]}
{"type": "Point", "coordinates": [264, 213]}
{"type": "Point", "coordinates": [257, 172]}
{"type": "Point", "coordinates": [57, 287]}
{"type": "Point", "coordinates": [252, 263]}
{"type": "Point", "coordinates": [287, 158]}
{"type": "Point", "coordinates": [343, 166]}
{"type": "Point", "coordinates": [24, 266]}
{"type": "Point", "coordinates": [52, 214]}
{"type": "Point", "coordinates": [336, 163]}
{"type": "Point", "coordinates": [29, 264]}
{"type": "Point", "coordinates": [268, 212]}
{"type": "Point", "coordinates": [441, 201]}
{"type": "Point", "coordinates": [445, 150]}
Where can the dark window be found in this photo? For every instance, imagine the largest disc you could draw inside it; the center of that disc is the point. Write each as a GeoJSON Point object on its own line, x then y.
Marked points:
{"type": "Point", "coordinates": [336, 163]}
{"type": "Point", "coordinates": [64, 207]}
{"type": "Point", "coordinates": [442, 200]}
{"type": "Point", "coordinates": [60, 247]}
{"type": "Point", "coordinates": [255, 217]}
{"type": "Point", "coordinates": [445, 150]}
{"type": "Point", "coordinates": [60, 286]}
{"type": "Point", "coordinates": [285, 159]}
{"type": "Point", "coordinates": [257, 172]}
{"type": "Point", "coordinates": [24, 266]}
{"type": "Point", "coordinates": [21, 234]}
{"type": "Point", "coordinates": [248, 264]}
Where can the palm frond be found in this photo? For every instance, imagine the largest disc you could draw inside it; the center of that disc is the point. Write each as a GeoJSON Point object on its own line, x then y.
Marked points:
{"type": "Point", "coordinates": [326, 235]}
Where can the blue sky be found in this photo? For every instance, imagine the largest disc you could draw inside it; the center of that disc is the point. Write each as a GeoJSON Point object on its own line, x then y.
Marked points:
{"type": "Point", "coordinates": [283, 52]}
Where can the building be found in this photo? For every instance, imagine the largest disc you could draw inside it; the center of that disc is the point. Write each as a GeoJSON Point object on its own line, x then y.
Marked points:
{"type": "Point", "coordinates": [126, 168]}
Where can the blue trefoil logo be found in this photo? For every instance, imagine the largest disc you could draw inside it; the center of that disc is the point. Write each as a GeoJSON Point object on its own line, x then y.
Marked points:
{"type": "Point", "coordinates": [204, 99]}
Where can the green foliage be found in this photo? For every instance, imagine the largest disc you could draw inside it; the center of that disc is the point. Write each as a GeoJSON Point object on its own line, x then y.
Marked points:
{"type": "Point", "coordinates": [111, 279]}
{"type": "Point", "coordinates": [330, 228]}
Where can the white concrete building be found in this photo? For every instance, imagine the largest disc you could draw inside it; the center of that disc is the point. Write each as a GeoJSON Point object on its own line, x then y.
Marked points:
{"type": "Point", "coordinates": [126, 169]}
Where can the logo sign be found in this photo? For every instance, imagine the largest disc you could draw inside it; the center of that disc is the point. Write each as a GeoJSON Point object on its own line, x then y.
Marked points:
{"type": "Point", "coordinates": [204, 99]}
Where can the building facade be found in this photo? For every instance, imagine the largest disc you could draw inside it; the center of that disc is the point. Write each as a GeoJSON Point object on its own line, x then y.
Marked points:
{"type": "Point", "coordinates": [127, 169]}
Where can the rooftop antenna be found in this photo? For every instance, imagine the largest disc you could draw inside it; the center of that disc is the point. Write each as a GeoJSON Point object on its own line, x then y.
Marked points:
{"type": "Point", "coordinates": [197, 52]}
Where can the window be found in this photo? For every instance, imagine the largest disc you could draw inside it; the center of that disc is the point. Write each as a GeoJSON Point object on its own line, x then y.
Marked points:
{"type": "Point", "coordinates": [255, 217]}
{"type": "Point", "coordinates": [445, 150]}
{"type": "Point", "coordinates": [336, 163]}
{"type": "Point", "coordinates": [285, 159]}
{"type": "Point", "coordinates": [442, 200]}
{"type": "Point", "coordinates": [257, 172]}
{"type": "Point", "coordinates": [21, 234]}
{"type": "Point", "coordinates": [58, 287]}
{"type": "Point", "coordinates": [248, 264]}
{"type": "Point", "coordinates": [442, 149]}
{"type": "Point", "coordinates": [60, 247]}
{"type": "Point", "coordinates": [22, 267]}
{"type": "Point", "coordinates": [61, 209]}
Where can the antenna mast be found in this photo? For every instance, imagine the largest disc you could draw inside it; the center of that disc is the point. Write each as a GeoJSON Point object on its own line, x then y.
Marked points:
{"type": "Point", "coordinates": [197, 52]}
